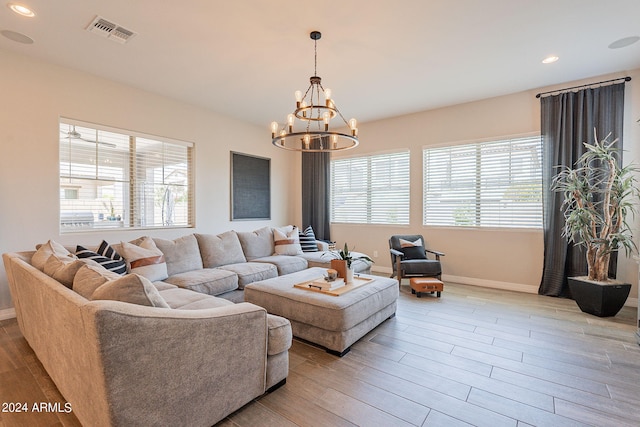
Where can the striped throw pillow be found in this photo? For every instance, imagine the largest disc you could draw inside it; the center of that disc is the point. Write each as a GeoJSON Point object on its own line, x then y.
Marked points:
{"type": "Point", "coordinates": [308, 240]}
{"type": "Point", "coordinates": [115, 264]}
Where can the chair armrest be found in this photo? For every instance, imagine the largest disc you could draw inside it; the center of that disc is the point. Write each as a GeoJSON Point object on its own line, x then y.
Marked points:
{"type": "Point", "coordinates": [436, 253]}
{"type": "Point", "coordinates": [396, 252]}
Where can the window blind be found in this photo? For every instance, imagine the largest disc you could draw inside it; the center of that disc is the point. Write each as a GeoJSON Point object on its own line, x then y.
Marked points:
{"type": "Point", "coordinates": [484, 184]}
{"type": "Point", "coordinates": [371, 189]}
{"type": "Point", "coordinates": [110, 179]}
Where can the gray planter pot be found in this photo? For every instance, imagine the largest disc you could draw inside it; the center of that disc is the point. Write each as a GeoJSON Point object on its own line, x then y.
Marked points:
{"type": "Point", "coordinates": [597, 298]}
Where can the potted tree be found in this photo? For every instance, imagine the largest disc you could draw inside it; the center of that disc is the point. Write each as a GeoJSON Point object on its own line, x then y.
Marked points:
{"type": "Point", "coordinates": [599, 194]}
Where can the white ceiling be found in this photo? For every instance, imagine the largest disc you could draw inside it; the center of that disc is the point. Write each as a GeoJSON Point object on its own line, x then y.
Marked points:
{"type": "Point", "coordinates": [245, 58]}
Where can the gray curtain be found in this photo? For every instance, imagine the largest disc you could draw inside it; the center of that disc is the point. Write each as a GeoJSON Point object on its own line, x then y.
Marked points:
{"type": "Point", "coordinates": [315, 193]}
{"type": "Point", "coordinates": [568, 120]}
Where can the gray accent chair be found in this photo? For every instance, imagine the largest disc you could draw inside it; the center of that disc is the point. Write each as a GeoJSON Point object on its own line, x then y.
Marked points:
{"type": "Point", "coordinates": [414, 261]}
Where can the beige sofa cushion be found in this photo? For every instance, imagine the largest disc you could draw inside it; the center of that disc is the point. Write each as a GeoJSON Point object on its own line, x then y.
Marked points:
{"type": "Point", "coordinates": [285, 263]}
{"type": "Point", "coordinates": [145, 259]}
{"type": "Point", "coordinates": [91, 277]}
{"type": "Point", "coordinates": [132, 288]}
{"type": "Point", "coordinates": [63, 268]}
{"type": "Point", "coordinates": [220, 250]}
{"type": "Point", "coordinates": [186, 300]}
{"type": "Point", "coordinates": [280, 334]}
{"type": "Point", "coordinates": [249, 272]}
{"type": "Point", "coordinates": [211, 281]}
{"type": "Point", "coordinates": [182, 254]}
{"type": "Point", "coordinates": [257, 243]}
{"type": "Point", "coordinates": [45, 250]}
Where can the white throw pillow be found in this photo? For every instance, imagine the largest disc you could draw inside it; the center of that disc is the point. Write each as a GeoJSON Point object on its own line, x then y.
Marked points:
{"type": "Point", "coordinates": [145, 259]}
{"type": "Point", "coordinates": [287, 242]}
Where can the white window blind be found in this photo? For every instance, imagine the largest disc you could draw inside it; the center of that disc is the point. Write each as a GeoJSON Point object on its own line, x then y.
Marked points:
{"type": "Point", "coordinates": [371, 189]}
{"type": "Point", "coordinates": [484, 184]}
{"type": "Point", "coordinates": [111, 179]}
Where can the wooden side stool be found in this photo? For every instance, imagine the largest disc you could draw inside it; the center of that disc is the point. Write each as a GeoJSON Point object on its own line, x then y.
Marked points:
{"type": "Point", "coordinates": [425, 284]}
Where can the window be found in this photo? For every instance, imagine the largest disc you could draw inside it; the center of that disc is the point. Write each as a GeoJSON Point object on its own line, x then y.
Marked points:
{"type": "Point", "coordinates": [371, 189]}
{"type": "Point", "coordinates": [484, 184]}
{"type": "Point", "coordinates": [113, 179]}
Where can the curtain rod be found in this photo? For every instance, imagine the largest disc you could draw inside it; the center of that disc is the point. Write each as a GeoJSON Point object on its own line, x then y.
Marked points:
{"type": "Point", "coordinates": [626, 79]}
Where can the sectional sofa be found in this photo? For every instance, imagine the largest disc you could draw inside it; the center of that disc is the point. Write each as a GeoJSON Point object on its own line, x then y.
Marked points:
{"type": "Point", "coordinates": [164, 344]}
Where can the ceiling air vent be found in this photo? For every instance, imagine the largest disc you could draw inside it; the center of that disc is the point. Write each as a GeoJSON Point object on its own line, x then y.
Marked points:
{"type": "Point", "coordinates": [110, 30]}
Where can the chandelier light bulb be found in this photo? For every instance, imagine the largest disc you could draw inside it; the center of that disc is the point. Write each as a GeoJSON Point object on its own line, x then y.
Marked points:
{"type": "Point", "coordinates": [290, 121]}
{"type": "Point", "coordinates": [274, 129]}
{"type": "Point", "coordinates": [334, 142]}
{"type": "Point", "coordinates": [298, 95]}
{"type": "Point", "coordinates": [353, 124]}
{"type": "Point", "coordinates": [326, 116]}
{"type": "Point", "coordinates": [327, 97]}
{"type": "Point", "coordinates": [307, 141]}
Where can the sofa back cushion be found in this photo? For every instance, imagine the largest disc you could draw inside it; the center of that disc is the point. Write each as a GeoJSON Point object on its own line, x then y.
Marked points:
{"type": "Point", "coordinates": [45, 250]}
{"type": "Point", "coordinates": [257, 243]}
{"type": "Point", "coordinates": [223, 249]}
{"type": "Point", "coordinates": [132, 288]}
{"type": "Point", "coordinates": [91, 277]}
{"type": "Point", "coordinates": [181, 254]}
{"type": "Point", "coordinates": [63, 268]}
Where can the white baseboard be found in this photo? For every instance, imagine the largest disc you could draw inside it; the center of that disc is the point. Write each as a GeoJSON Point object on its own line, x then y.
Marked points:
{"type": "Point", "coordinates": [7, 313]}
{"type": "Point", "coordinates": [484, 283]}
{"type": "Point", "coordinates": [518, 287]}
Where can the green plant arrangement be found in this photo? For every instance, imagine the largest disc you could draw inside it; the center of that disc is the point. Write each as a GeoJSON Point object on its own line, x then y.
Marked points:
{"type": "Point", "coordinates": [599, 195]}
{"type": "Point", "coordinates": [346, 255]}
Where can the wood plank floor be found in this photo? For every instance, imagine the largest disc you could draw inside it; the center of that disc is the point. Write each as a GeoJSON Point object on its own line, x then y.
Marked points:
{"type": "Point", "coordinates": [476, 356]}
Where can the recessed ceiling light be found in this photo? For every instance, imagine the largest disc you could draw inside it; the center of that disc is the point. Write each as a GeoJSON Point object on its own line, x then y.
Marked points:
{"type": "Point", "coordinates": [21, 10]}
{"type": "Point", "coordinates": [627, 41]}
{"type": "Point", "coordinates": [550, 59]}
{"type": "Point", "coordinates": [17, 37]}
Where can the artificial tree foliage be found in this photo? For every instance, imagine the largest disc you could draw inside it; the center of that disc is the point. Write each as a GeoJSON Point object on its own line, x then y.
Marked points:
{"type": "Point", "coordinates": [599, 196]}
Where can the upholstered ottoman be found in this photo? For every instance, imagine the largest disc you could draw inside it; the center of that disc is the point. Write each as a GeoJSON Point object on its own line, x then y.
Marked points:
{"type": "Point", "coordinates": [334, 322]}
{"type": "Point", "coordinates": [425, 284]}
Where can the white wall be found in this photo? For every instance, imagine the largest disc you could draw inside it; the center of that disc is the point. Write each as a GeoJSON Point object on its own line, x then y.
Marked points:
{"type": "Point", "coordinates": [35, 94]}
{"type": "Point", "coordinates": [510, 259]}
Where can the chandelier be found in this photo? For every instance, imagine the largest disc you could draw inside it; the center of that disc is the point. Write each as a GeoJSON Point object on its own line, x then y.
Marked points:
{"type": "Point", "coordinates": [314, 110]}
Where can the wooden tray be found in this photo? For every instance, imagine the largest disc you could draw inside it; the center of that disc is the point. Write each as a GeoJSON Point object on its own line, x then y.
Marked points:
{"type": "Point", "coordinates": [357, 282]}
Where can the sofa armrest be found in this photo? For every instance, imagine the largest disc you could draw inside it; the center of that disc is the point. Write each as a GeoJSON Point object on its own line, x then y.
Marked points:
{"type": "Point", "coordinates": [163, 364]}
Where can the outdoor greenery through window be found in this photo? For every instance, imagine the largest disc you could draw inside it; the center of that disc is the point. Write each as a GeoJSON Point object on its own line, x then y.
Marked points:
{"type": "Point", "coordinates": [113, 179]}
{"type": "Point", "coordinates": [484, 184]}
{"type": "Point", "coordinates": [371, 189]}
